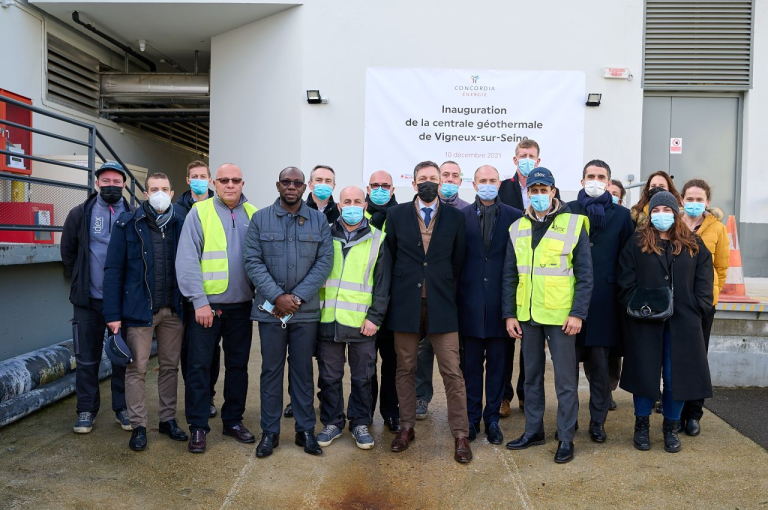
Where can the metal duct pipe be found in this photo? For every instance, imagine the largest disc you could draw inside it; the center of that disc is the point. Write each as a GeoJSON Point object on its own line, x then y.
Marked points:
{"type": "Point", "coordinates": [157, 85]}
{"type": "Point", "coordinates": [157, 111]}
{"type": "Point", "coordinates": [126, 49]}
{"type": "Point", "coordinates": [160, 119]}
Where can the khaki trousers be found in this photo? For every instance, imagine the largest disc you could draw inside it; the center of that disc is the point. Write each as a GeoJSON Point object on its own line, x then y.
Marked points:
{"type": "Point", "coordinates": [170, 331]}
{"type": "Point", "coordinates": [446, 348]}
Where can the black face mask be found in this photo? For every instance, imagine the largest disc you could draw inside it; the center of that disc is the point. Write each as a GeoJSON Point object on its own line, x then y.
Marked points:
{"type": "Point", "coordinates": [427, 191]}
{"type": "Point", "coordinates": [111, 194]}
{"type": "Point", "coordinates": [653, 191]}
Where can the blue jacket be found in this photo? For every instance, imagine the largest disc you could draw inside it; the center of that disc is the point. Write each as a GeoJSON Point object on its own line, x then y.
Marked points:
{"type": "Point", "coordinates": [288, 254]}
{"type": "Point", "coordinates": [479, 293]}
{"type": "Point", "coordinates": [129, 270]}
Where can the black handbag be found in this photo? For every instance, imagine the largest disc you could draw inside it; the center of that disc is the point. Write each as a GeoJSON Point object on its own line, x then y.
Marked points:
{"type": "Point", "coordinates": [653, 304]}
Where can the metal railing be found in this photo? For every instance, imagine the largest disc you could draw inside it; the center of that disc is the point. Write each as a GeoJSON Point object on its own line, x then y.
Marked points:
{"type": "Point", "coordinates": [93, 137]}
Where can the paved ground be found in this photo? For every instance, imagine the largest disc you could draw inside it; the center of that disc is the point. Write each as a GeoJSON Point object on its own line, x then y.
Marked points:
{"type": "Point", "coordinates": [43, 464]}
{"type": "Point", "coordinates": [745, 409]}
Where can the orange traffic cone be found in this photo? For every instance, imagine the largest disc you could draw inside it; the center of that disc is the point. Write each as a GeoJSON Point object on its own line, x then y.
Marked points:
{"type": "Point", "coordinates": [734, 290]}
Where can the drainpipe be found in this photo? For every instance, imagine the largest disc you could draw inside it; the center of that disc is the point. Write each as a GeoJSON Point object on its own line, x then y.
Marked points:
{"type": "Point", "coordinates": [127, 49]}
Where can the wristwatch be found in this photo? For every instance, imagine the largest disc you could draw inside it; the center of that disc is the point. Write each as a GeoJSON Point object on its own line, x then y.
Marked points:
{"type": "Point", "coordinates": [297, 300]}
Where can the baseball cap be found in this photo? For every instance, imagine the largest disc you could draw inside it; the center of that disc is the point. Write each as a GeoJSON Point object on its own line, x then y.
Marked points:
{"type": "Point", "coordinates": [114, 166]}
{"type": "Point", "coordinates": [117, 350]}
{"type": "Point", "coordinates": [540, 175]}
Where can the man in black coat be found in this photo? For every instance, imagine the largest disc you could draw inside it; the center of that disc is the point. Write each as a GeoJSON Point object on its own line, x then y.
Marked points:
{"type": "Point", "coordinates": [426, 241]}
{"type": "Point", "coordinates": [482, 329]}
{"type": "Point", "coordinates": [322, 182]}
{"type": "Point", "coordinates": [610, 228]}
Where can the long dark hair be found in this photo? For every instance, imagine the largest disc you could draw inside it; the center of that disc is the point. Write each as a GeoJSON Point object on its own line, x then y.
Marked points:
{"type": "Point", "coordinates": [645, 196]}
{"type": "Point", "coordinates": [680, 236]}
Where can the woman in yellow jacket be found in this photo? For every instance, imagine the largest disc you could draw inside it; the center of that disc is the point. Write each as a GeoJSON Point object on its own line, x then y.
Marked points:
{"type": "Point", "coordinates": [706, 222]}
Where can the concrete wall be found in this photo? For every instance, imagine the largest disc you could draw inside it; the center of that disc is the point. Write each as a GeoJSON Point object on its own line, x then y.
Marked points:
{"type": "Point", "coordinates": [22, 71]}
{"type": "Point", "coordinates": [738, 351]}
{"type": "Point", "coordinates": [262, 71]}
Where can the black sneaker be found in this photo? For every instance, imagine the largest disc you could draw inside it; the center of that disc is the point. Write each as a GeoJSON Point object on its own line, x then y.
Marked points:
{"type": "Point", "coordinates": [84, 423]}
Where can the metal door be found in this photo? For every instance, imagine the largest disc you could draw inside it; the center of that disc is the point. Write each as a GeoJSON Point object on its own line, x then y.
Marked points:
{"type": "Point", "coordinates": [709, 128]}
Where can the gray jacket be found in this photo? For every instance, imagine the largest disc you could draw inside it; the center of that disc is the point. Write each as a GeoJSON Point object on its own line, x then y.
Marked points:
{"type": "Point", "coordinates": [288, 254]}
{"type": "Point", "coordinates": [190, 251]}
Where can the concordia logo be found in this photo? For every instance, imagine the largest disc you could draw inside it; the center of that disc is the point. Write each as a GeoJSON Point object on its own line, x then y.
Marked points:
{"type": "Point", "coordinates": [474, 78]}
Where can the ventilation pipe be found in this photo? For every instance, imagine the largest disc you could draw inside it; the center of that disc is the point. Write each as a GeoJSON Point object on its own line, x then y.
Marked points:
{"type": "Point", "coordinates": [127, 49]}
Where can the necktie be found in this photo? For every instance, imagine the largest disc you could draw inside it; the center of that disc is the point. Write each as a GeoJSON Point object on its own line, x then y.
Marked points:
{"type": "Point", "coordinates": [427, 215]}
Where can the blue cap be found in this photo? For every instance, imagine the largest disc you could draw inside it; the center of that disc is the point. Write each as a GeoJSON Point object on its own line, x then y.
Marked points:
{"type": "Point", "coordinates": [117, 350]}
{"type": "Point", "coordinates": [540, 175]}
{"type": "Point", "coordinates": [114, 166]}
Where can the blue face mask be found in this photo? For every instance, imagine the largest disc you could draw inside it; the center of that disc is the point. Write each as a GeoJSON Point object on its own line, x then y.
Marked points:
{"type": "Point", "coordinates": [379, 196]}
{"type": "Point", "coordinates": [526, 165]}
{"type": "Point", "coordinates": [694, 209]}
{"type": "Point", "coordinates": [540, 203]}
{"type": "Point", "coordinates": [448, 190]}
{"type": "Point", "coordinates": [663, 220]}
{"type": "Point", "coordinates": [615, 199]}
{"type": "Point", "coordinates": [487, 191]}
{"type": "Point", "coordinates": [198, 186]}
{"type": "Point", "coordinates": [352, 214]}
{"type": "Point", "coordinates": [322, 191]}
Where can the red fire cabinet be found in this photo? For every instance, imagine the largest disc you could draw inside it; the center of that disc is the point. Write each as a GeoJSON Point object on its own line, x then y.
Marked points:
{"type": "Point", "coordinates": [15, 139]}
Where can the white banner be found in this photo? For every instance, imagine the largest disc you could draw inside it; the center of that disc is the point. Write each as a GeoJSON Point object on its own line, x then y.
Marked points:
{"type": "Point", "coordinates": [474, 117]}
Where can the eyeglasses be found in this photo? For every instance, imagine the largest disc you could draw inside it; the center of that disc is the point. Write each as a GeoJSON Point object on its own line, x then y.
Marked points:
{"type": "Point", "coordinates": [375, 185]}
{"type": "Point", "coordinates": [225, 180]}
{"type": "Point", "coordinates": [287, 183]}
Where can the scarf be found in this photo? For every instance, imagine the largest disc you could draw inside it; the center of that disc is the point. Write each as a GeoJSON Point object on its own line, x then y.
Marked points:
{"type": "Point", "coordinates": [160, 219]}
{"type": "Point", "coordinates": [487, 216]}
{"type": "Point", "coordinates": [379, 212]}
{"type": "Point", "coordinates": [595, 207]}
{"type": "Point", "coordinates": [450, 201]}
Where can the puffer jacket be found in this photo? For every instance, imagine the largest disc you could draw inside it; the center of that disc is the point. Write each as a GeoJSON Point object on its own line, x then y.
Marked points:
{"type": "Point", "coordinates": [715, 237]}
{"type": "Point", "coordinates": [288, 253]}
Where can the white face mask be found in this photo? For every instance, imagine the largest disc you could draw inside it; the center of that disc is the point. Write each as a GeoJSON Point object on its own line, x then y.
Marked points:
{"type": "Point", "coordinates": [160, 201]}
{"type": "Point", "coordinates": [594, 188]}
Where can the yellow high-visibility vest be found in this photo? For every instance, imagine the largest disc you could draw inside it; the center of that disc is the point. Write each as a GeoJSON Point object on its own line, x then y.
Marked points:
{"type": "Point", "coordinates": [348, 292]}
{"type": "Point", "coordinates": [214, 263]}
{"type": "Point", "coordinates": [546, 282]}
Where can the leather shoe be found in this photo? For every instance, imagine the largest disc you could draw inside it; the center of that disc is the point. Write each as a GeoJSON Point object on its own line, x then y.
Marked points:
{"type": "Point", "coordinates": [172, 429]}
{"type": "Point", "coordinates": [564, 452]}
{"type": "Point", "coordinates": [138, 439]}
{"type": "Point", "coordinates": [597, 432]}
{"type": "Point", "coordinates": [402, 440]}
{"type": "Point", "coordinates": [692, 427]}
{"type": "Point", "coordinates": [612, 406]}
{"type": "Point", "coordinates": [463, 452]}
{"type": "Point", "coordinates": [288, 412]}
{"type": "Point", "coordinates": [197, 442]}
{"type": "Point", "coordinates": [393, 424]}
{"type": "Point", "coordinates": [240, 433]}
{"type": "Point", "coordinates": [494, 434]}
{"type": "Point", "coordinates": [526, 440]}
{"type": "Point", "coordinates": [521, 404]}
{"type": "Point", "coordinates": [681, 425]}
{"type": "Point", "coordinates": [308, 440]}
{"type": "Point", "coordinates": [504, 408]}
{"type": "Point", "coordinates": [268, 443]}
{"type": "Point", "coordinates": [473, 432]}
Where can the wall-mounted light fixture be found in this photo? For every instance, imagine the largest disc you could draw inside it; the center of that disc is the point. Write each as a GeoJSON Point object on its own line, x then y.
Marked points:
{"type": "Point", "coordinates": [593, 99]}
{"type": "Point", "coordinates": [314, 97]}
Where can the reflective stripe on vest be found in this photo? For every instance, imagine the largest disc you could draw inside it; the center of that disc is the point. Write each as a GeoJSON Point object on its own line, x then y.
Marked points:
{"type": "Point", "coordinates": [348, 291]}
{"type": "Point", "coordinates": [213, 262]}
{"type": "Point", "coordinates": [546, 281]}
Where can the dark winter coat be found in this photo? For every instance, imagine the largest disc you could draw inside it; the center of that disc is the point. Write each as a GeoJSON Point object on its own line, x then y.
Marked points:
{"type": "Point", "coordinates": [440, 268]}
{"type": "Point", "coordinates": [75, 245]}
{"type": "Point", "coordinates": [479, 295]}
{"type": "Point", "coordinates": [603, 327]}
{"type": "Point", "coordinates": [129, 272]}
{"type": "Point", "coordinates": [331, 211]}
{"type": "Point", "coordinates": [511, 193]}
{"type": "Point", "coordinates": [185, 202]}
{"type": "Point", "coordinates": [644, 340]}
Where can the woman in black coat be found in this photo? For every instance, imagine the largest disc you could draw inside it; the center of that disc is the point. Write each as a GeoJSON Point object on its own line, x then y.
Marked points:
{"type": "Point", "coordinates": [666, 250]}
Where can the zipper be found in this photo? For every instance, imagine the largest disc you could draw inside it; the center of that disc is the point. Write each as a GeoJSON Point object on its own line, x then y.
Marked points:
{"type": "Point", "coordinates": [233, 218]}
{"type": "Point", "coordinates": [144, 259]}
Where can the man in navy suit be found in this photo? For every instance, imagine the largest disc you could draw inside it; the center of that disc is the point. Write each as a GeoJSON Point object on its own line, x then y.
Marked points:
{"type": "Point", "coordinates": [480, 319]}
{"type": "Point", "coordinates": [610, 227]}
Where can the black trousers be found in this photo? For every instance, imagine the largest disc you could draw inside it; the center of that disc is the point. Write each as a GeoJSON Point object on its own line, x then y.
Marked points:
{"type": "Point", "coordinates": [231, 323]}
{"type": "Point", "coordinates": [388, 406]}
{"type": "Point", "coordinates": [596, 358]}
{"type": "Point", "coordinates": [88, 329]}
{"type": "Point", "coordinates": [509, 362]}
{"type": "Point", "coordinates": [484, 356]}
{"type": "Point", "coordinates": [362, 365]}
{"type": "Point", "coordinates": [694, 409]}
{"type": "Point", "coordinates": [189, 316]}
{"type": "Point", "coordinates": [298, 340]}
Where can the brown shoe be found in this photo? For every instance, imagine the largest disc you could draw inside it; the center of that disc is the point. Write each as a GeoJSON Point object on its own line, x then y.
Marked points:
{"type": "Point", "coordinates": [463, 451]}
{"type": "Point", "coordinates": [240, 433]}
{"type": "Point", "coordinates": [402, 440]}
{"type": "Point", "coordinates": [504, 408]}
{"type": "Point", "coordinates": [197, 442]}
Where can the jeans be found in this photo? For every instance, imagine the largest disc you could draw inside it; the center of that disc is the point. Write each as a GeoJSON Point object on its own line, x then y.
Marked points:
{"type": "Point", "coordinates": [672, 408]}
